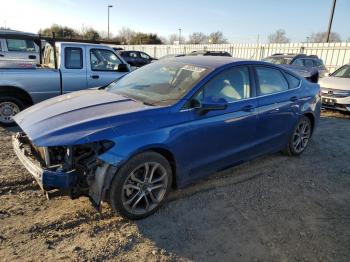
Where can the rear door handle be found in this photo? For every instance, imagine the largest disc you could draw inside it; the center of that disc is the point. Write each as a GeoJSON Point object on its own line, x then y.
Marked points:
{"type": "Point", "coordinates": [95, 76]}
{"type": "Point", "coordinates": [248, 108]}
{"type": "Point", "coordinates": [294, 98]}
{"type": "Point", "coordinates": [1, 55]}
{"type": "Point", "coordinates": [32, 57]}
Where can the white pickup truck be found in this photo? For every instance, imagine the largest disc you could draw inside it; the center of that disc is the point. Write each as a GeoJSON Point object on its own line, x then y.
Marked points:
{"type": "Point", "coordinates": [65, 67]}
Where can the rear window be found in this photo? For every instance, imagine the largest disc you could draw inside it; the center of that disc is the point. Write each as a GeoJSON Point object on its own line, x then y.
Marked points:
{"type": "Point", "coordinates": [73, 57]}
{"type": "Point", "coordinates": [20, 45]}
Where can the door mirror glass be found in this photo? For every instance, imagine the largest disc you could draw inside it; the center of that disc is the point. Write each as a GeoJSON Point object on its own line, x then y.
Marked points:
{"type": "Point", "coordinates": [211, 103]}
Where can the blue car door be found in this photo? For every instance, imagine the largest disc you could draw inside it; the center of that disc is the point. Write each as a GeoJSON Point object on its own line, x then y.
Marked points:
{"type": "Point", "coordinates": [278, 102]}
{"type": "Point", "coordinates": [221, 138]}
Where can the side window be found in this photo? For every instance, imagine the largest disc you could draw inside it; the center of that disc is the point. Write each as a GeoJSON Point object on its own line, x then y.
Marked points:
{"type": "Point", "coordinates": [293, 81]}
{"type": "Point", "coordinates": [232, 85]}
{"type": "Point", "coordinates": [318, 63]}
{"type": "Point", "coordinates": [271, 81]}
{"type": "Point", "coordinates": [145, 56]}
{"type": "Point", "coordinates": [298, 62]}
{"type": "Point", "coordinates": [308, 63]}
{"type": "Point", "coordinates": [20, 45]}
{"type": "Point", "coordinates": [133, 55]}
{"type": "Point", "coordinates": [103, 60]}
{"type": "Point", "coordinates": [73, 58]}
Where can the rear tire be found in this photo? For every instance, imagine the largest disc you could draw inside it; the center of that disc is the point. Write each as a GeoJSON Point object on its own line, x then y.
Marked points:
{"type": "Point", "coordinates": [299, 138]}
{"type": "Point", "coordinates": [9, 107]}
{"type": "Point", "coordinates": [141, 185]}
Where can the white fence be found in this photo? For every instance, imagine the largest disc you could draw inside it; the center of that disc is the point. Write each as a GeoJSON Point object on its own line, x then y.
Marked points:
{"type": "Point", "coordinates": [334, 55]}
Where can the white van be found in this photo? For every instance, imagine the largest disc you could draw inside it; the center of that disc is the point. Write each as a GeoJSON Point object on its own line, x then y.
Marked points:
{"type": "Point", "coordinates": [18, 49]}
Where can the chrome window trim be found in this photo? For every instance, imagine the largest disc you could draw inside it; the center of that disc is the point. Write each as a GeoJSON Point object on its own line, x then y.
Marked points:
{"type": "Point", "coordinates": [295, 88]}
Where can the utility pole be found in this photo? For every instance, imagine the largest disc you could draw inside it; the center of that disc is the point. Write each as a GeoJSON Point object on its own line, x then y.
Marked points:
{"type": "Point", "coordinates": [331, 20]}
{"type": "Point", "coordinates": [109, 6]}
{"type": "Point", "coordinates": [179, 36]}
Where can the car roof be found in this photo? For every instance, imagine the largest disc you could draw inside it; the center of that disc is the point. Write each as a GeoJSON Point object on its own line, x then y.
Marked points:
{"type": "Point", "coordinates": [208, 61]}
{"type": "Point", "coordinates": [295, 56]}
{"type": "Point", "coordinates": [84, 44]}
{"type": "Point", "coordinates": [8, 32]}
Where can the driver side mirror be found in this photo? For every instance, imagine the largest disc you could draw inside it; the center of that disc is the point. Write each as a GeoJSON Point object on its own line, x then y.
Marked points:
{"type": "Point", "coordinates": [123, 68]}
{"type": "Point", "coordinates": [211, 104]}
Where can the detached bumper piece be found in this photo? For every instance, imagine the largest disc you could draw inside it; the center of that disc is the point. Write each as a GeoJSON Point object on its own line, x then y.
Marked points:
{"type": "Point", "coordinates": [47, 178]}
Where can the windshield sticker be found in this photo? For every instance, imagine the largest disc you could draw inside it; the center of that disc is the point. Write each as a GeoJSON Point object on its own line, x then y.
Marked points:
{"type": "Point", "coordinates": [193, 68]}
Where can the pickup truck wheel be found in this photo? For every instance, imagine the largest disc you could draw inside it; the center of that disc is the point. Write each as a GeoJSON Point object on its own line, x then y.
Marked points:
{"type": "Point", "coordinates": [141, 185]}
{"type": "Point", "coordinates": [9, 106]}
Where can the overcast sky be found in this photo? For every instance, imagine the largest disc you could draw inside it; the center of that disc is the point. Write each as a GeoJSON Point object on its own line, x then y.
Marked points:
{"type": "Point", "coordinates": [239, 20]}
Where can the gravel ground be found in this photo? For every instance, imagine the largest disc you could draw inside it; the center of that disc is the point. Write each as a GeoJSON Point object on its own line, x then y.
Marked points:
{"type": "Point", "coordinates": [275, 208]}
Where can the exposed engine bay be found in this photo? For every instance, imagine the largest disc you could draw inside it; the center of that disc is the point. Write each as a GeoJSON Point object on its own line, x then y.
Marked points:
{"type": "Point", "coordinates": [78, 161]}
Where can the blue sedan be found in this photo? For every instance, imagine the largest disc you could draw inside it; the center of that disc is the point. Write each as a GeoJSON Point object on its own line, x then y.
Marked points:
{"type": "Point", "coordinates": [165, 125]}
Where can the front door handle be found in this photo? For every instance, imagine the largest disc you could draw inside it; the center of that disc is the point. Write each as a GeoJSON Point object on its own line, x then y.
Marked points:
{"type": "Point", "coordinates": [248, 108]}
{"type": "Point", "coordinates": [95, 76]}
{"type": "Point", "coordinates": [294, 98]}
{"type": "Point", "coordinates": [1, 55]}
{"type": "Point", "coordinates": [32, 57]}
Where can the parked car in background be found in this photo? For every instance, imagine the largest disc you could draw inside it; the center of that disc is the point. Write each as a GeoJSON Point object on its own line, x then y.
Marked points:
{"type": "Point", "coordinates": [165, 125]}
{"type": "Point", "coordinates": [15, 48]}
{"type": "Point", "coordinates": [79, 66]}
{"type": "Point", "coordinates": [210, 53]}
{"type": "Point", "coordinates": [199, 53]}
{"type": "Point", "coordinates": [171, 56]}
{"type": "Point", "coordinates": [300, 61]}
{"type": "Point", "coordinates": [335, 89]}
{"type": "Point", "coordinates": [136, 58]}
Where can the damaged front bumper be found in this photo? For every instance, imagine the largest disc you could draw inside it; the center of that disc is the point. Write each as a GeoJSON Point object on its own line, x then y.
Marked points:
{"type": "Point", "coordinates": [46, 178]}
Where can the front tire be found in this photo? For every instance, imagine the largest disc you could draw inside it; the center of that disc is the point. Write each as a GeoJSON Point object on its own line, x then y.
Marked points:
{"type": "Point", "coordinates": [9, 107]}
{"type": "Point", "coordinates": [141, 185]}
{"type": "Point", "coordinates": [300, 137]}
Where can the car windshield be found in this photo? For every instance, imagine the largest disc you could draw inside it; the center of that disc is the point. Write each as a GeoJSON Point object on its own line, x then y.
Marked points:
{"type": "Point", "coordinates": [279, 60]}
{"type": "Point", "coordinates": [160, 83]}
{"type": "Point", "coordinates": [343, 72]}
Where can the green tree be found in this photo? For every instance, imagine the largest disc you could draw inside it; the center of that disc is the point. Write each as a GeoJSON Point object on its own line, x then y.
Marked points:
{"type": "Point", "coordinates": [60, 32]}
{"type": "Point", "coordinates": [145, 39]}
{"type": "Point", "coordinates": [89, 33]}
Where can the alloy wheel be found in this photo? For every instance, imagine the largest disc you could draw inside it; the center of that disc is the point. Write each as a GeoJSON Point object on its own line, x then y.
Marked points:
{"type": "Point", "coordinates": [301, 136]}
{"type": "Point", "coordinates": [144, 188]}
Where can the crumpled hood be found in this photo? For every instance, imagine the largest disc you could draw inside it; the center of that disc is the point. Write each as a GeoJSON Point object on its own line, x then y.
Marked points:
{"type": "Point", "coordinates": [77, 117]}
{"type": "Point", "coordinates": [338, 83]}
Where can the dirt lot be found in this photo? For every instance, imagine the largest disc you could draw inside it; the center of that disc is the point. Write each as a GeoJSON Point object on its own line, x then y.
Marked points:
{"type": "Point", "coordinates": [274, 208]}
